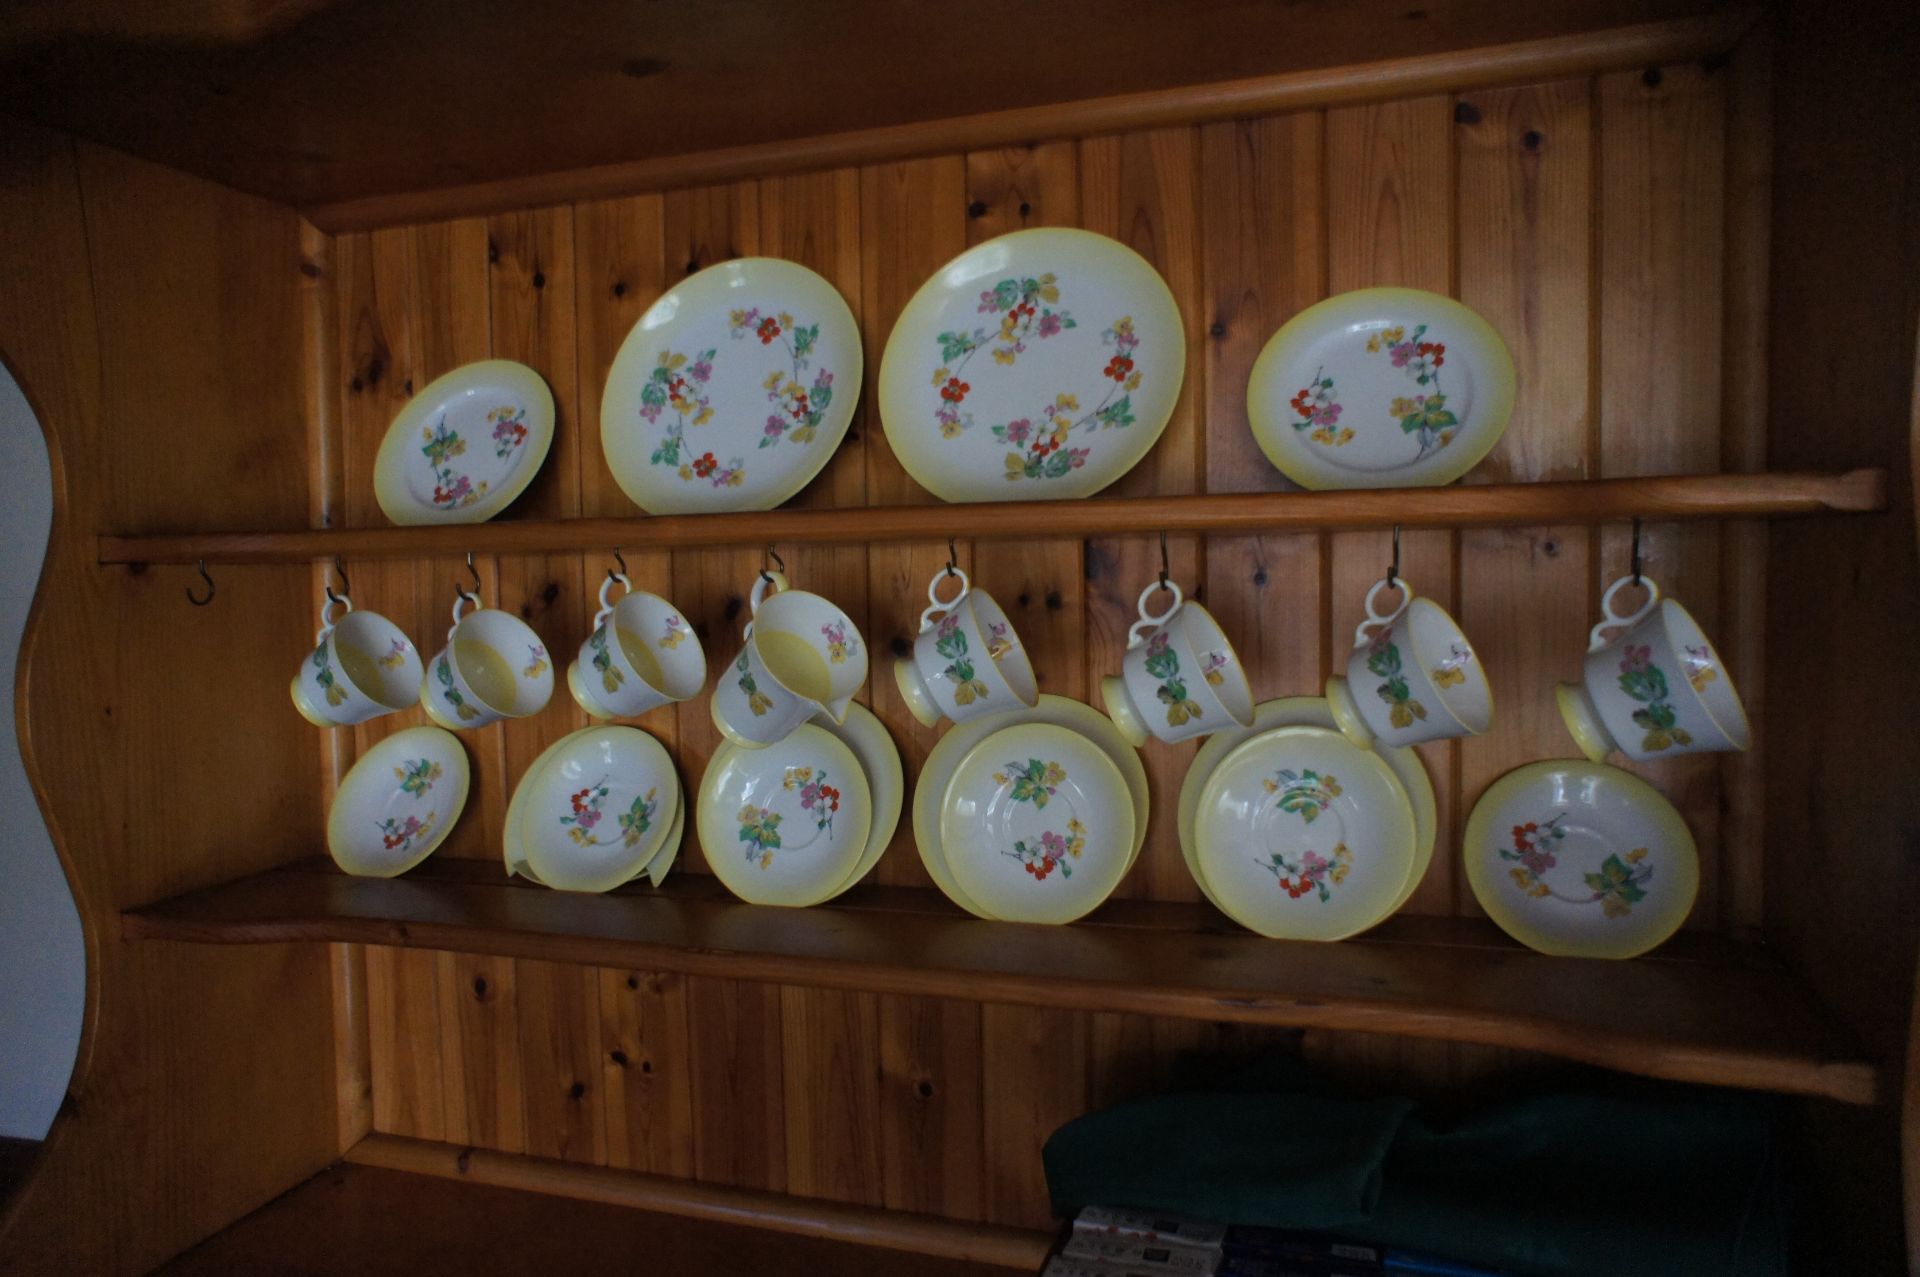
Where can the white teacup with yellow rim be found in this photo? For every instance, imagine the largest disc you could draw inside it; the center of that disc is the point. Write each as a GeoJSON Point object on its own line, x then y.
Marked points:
{"type": "Point", "coordinates": [1413, 678]}
{"type": "Point", "coordinates": [803, 656]}
{"type": "Point", "coordinates": [493, 667]}
{"type": "Point", "coordinates": [1180, 677]}
{"type": "Point", "coordinates": [641, 655]}
{"type": "Point", "coordinates": [1656, 689]}
{"type": "Point", "coordinates": [361, 667]}
{"type": "Point", "coordinates": [969, 662]}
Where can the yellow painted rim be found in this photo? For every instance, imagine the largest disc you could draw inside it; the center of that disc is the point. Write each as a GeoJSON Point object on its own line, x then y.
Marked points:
{"type": "Point", "coordinates": [718, 824]}
{"type": "Point", "coordinates": [377, 765]}
{"type": "Point", "coordinates": [901, 371]}
{"type": "Point", "coordinates": [633, 364]}
{"type": "Point", "coordinates": [1267, 395]}
{"type": "Point", "coordinates": [887, 789]}
{"type": "Point", "coordinates": [1581, 725]}
{"type": "Point", "coordinates": [1486, 873]}
{"type": "Point", "coordinates": [389, 476]}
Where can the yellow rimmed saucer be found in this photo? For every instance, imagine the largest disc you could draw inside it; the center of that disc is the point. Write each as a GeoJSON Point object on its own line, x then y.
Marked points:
{"type": "Point", "coordinates": [1380, 388]}
{"type": "Point", "coordinates": [466, 446]}
{"type": "Point", "coordinates": [1036, 824]}
{"type": "Point", "coordinates": [1036, 366]}
{"type": "Point", "coordinates": [515, 856]}
{"type": "Point", "coordinates": [733, 390]}
{"type": "Point", "coordinates": [596, 809]}
{"type": "Point", "coordinates": [1309, 711]}
{"type": "Point", "coordinates": [785, 824]}
{"type": "Point", "coordinates": [398, 803]}
{"type": "Point", "coordinates": [879, 758]}
{"type": "Point", "coordinates": [946, 754]}
{"type": "Point", "coordinates": [1302, 835]}
{"type": "Point", "coordinates": [1581, 860]}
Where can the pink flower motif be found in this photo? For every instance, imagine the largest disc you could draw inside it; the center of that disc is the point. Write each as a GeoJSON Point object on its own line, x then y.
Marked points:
{"type": "Point", "coordinates": [1049, 324]}
{"type": "Point", "coordinates": [1380, 640]}
{"type": "Point", "coordinates": [987, 304]}
{"type": "Point", "coordinates": [1157, 644]}
{"type": "Point", "coordinates": [1538, 861]}
{"type": "Point", "coordinates": [702, 371]}
{"type": "Point", "coordinates": [774, 426]}
{"type": "Point", "coordinates": [1077, 457]}
{"type": "Point", "coordinates": [948, 624]}
{"type": "Point", "coordinates": [1052, 845]}
{"type": "Point", "coordinates": [1313, 866]}
{"type": "Point", "coordinates": [1327, 416]}
{"type": "Point", "coordinates": [1018, 431]}
{"type": "Point", "coordinates": [1635, 659]}
{"type": "Point", "coordinates": [1401, 353]}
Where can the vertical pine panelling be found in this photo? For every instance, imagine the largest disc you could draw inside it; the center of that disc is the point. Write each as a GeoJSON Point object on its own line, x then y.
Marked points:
{"type": "Point", "coordinates": [1263, 260]}
{"type": "Point", "coordinates": [1141, 189]}
{"type": "Point", "coordinates": [931, 1131]}
{"type": "Point", "coordinates": [647, 1071]}
{"type": "Point", "coordinates": [1525, 205]}
{"type": "Point", "coordinates": [739, 1094]}
{"type": "Point", "coordinates": [1662, 136]}
{"type": "Point", "coordinates": [1390, 222]}
{"type": "Point", "coordinates": [1034, 1078]}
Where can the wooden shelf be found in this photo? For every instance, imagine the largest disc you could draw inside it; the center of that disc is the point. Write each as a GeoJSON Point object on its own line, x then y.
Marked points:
{"type": "Point", "coordinates": [1701, 1010]}
{"type": "Point", "coordinates": [1669, 497]}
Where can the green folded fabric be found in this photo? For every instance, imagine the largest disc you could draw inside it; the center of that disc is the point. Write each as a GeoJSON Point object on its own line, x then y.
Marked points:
{"type": "Point", "coordinates": [1632, 1179]}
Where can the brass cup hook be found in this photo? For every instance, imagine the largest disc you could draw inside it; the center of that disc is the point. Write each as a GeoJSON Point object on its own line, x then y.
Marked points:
{"type": "Point", "coordinates": [199, 602]}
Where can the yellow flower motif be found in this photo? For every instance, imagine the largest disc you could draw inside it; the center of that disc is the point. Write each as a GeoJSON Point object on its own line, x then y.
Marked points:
{"type": "Point", "coordinates": [467, 711]}
{"type": "Point", "coordinates": [1521, 878]}
{"type": "Point", "coordinates": [1016, 466]}
{"type": "Point", "coordinates": [749, 815]}
{"type": "Point", "coordinates": [1124, 328]}
{"type": "Point", "coordinates": [1002, 355]}
{"type": "Point", "coordinates": [734, 317]}
{"type": "Point", "coordinates": [793, 389]}
{"type": "Point", "coordinates": [1540, 892]}
{"type": "Point", "coordinates": [1701, 677]}
{"type": "Point", "coordinates": [759, 703]}
{"type": "Point", "coordinates": [1215, 678]}
{"type": "Point", "coordinates": [1179, 712]}
{"type": "Point", "coordinates": [611, 678]}
{"type": "Point", "coordinates": [706, 415]}
{"type": "Point", "coordinates": [766, 858]}
{"type": "Point", "coordinates": [1614, 907]}
{"type": "Point", "coordinates": [786, 320]}
{"type": "Point", "coordinates": [1637, 855]}
{"type": "Point", "coordinates": [999, 778]}
{"type": "Point", "coordinates": [674, 360]}
{"type": "Point", "coordinates": [1066, 403]}
{"type": "Point", "coordinates": [949, 430]}
{"type": "Point", "coordinates": [940, 376]}
{"type": "Point", "coordinates": [737, 478]}
{"type": "Point", "coordinates": [1273, 787]}
{"type": "Point", "coordinates": [1449, 676]}
{"type": "Point", "coordinates": [801, 434]}
{"type": "Point", "coordinates": [1393, 335]}
{"type": "Point", "coordinates": [1338, 873]}
{"type": "Point", "coordinates": [1074, 826]}
{"type": "Point", "coordinates": [535, 667]}
{"type": "Point", "coordinates": [1446, 437]}
{"type": "Point", "coordinates": [1133, 381]}
{"type": "Point", "coordinates": [336, 694]}
{"type": "Point", "coordinates": [1055, 774]}
{"type": "Point", "coordinates": [968, 693]}
{"type": "Point", "coordinates": [1404, 712]}
{"type": "Point", "coordinates": [686, 472]}
{"type": "Point", "coordinates": [1402, 407]}
{"type": "Point", "coordinates": [1049, 290]}
{"type": "Point", "coordinates": [772, 382]}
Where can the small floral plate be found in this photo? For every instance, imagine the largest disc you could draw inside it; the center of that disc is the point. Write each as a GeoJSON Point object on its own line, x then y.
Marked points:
{"type": "Point", "coordinates": [947, 753]}
{"type": "Point", "coordinates": [466, 446]}
{"type": "Point", "coordinates": [1580, 859]}
{"type": "Point", "coordinates": [879, 758]}
{"type": "Point", "coordinates": [786, 824]}
{"type": "Point", "coordinates": [1302, 835]}
{"type": "Point", "coordinates": [1037, 824]}
{"type": "Point", "coordinates": [1038, 365]}
{"type": "Point", "coordinates": [733, 390]}
{"type": "Point", "coordinates": [1308, 711]}
{"type": "Point", "coordinates": [598, 809]}
{"type": "Point", "coordinates": [398, 802]}
{"type": "Point", "coordinates": [1381, 388]}
{"type": "Point", "coordinates": [514, 853]}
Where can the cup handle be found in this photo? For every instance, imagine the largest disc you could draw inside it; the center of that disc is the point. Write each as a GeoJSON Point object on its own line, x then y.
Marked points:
{"type": "Point", "coordinates": [606, 604]}
{"type": "Point", "coordinates": [1149, 621]}
{"type": "Point", "coordinates": [933, 595]}
{"type": "Point", "coordinates": [327, 619]}
{"type": "Point", "coordinates": [461, 599]}
{"type": "Point", "coordinates": [1400, 583]}
{"type": "Point", "coordinates": [768, 577]}
{"type": "Point", "coordinates": [1596, 637]}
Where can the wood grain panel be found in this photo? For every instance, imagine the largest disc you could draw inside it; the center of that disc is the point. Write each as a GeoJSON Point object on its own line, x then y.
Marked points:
{"type": "Point", "coordinates": [558, 1008]}
{"type": "Point", "coordinates": [931, 1132]}
{"type": "Point", "coordinates": [739, 1092]}
{"type": "Point", "coordinates": [648, 1071]}
{"type": "Point", "coordinates": [1525, 207]}
{"type": "Point", "coordinates": [1662, 136]}
{"type": "Point", "coordinates": [1033, 1079]}
{"type": "Point", "coordinates": [1390, 222]}
{"type": "Point", "coordinates": [481, 1072]}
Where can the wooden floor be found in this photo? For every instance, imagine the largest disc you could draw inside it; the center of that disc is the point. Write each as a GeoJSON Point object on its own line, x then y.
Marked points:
{"type": "Point", "coordinates": [370, 1222]}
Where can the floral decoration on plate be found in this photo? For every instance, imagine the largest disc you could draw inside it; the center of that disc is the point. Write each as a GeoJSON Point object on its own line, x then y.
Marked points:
{"type": "Point", "coordinates": [465, 446]}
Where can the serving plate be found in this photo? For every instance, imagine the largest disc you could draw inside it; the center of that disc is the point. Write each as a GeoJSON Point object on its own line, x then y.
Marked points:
{"type": "Point", "coordinates": [785, 824]}
{"type": "Point", "coordinates": [1037, 366]}
{"type": "Point", "coordinates": [1581, 859]}
{"type": "Point", "coordinates": [1036, 824]}
{"type": "Point", "coordinates": [465, 446]}
{"type": "Point", "coordinates": [1380, 388]}
{"type": "Point", "coordinates": [1303, 835]}
{"type": "Point", "coordinates": [398, 803]}
{"type": "Point", "coordinates": [1308, 711]}
{"type": "Point", "coordinates": [733, 390]}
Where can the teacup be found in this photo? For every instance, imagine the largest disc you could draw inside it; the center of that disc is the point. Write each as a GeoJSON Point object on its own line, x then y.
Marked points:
{"type": "Point", "coordinates": [1180, 677]}
{"type": "Point", "coordinates": [1656, 689]}
{"type": "Point", "coordinates": [642, 654]}
{"type": "Point", "coordinates": [803, 656]}
{"type": "Point", "coordinates": [1415, 678]}
{"type": "Point", "coordinates": [361, 667]}
{"type": "Point", "coordinates": [966, 664]}
{"type": "Point", "coordinates": [493, 667]}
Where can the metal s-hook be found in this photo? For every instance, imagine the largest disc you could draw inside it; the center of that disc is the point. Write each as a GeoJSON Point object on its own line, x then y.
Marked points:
{"type": "Point", "coordinates": [1393, 569]}
{"type": "Point", "coordinates": [460, 592]}
{"type": "Point", "coordinates": [1163, 560]}
{"type": "Point", "coordinates": [953, 558]}
{"type": "Point", "coordinates": [612, 574]}
{"type": "Point", "coordinates": [346, 586]}
{"type": "Point", "coordinates": [197, 602]}
{"type": "Point", "coordinates": [780, 565]}
{"type": "Point", "coordinates": [1636, 550]}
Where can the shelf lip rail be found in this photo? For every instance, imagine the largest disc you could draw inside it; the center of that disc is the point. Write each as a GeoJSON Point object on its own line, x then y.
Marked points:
{"type": "Point", "coordinates": [1574, 501]}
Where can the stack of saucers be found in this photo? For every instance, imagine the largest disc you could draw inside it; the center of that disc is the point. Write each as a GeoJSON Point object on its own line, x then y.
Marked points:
{"type": "Point", "coordinates": [1034, 815]}
{"type": "Point", "coordinates": [599, 808]}
{"type": "Point", "coordinates": [1297, 833]}
{"type": "Point", "coordinates": [804, 818]}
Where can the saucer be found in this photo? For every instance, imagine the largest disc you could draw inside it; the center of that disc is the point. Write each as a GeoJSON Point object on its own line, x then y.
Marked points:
{"type": "Point", "coordinates": [466, 446]}
{"type": "Point", "coordinates": [398, 803]}
{"type": "Point", "coordinates": [952, 747]}
{"type": "Point", "coordinates": [1303, 835]}
{"type": "Point", "coordinates": [1581, 860]}
{"type": "Point", "coordinates": [1308, 711]}
{"type": "Point", "coordinates": [1036, 824]}
{"type": "Point", "coordinates": [785, 824]}
{"type": "Point", "coordinates": [1380, 388]}
{"type": "Point", "coordinates": [879, 759]}
{"type": "Point", "coordinates": [598, 809]}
